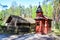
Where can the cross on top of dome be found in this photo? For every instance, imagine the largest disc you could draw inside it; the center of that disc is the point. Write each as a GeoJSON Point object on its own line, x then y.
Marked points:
{"type": "Point", "coordinates": [39, 9]}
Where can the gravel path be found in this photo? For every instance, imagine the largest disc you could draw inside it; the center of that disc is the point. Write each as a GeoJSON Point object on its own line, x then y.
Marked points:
{"type": "Point", "coordinates": [26, 37]}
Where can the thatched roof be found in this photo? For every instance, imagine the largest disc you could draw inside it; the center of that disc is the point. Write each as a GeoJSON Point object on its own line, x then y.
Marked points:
{"type": "Point", "coordinates": [20, 19]}
{"type": "Point", "coordinates": [30, 20]}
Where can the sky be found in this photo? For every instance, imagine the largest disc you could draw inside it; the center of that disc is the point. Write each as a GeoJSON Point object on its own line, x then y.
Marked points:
{"type": "Point", "coordinates": [25, 3]}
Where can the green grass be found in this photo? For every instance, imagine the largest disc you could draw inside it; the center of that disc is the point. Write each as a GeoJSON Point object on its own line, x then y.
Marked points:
{"type": "Point", "coordinates": [57, 31]}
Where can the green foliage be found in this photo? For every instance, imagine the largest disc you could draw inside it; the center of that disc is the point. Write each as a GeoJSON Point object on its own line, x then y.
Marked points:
{"type": "Point", "coordinates": [56, 14]}
{"type": "Point", "coordinates": [17, 11]}
{"type": "Point", "coordinates": [34, 12]}
{"type": "Point", "coordinates": [57, 25]}
{"type": "Point", "coordinates": [50, 10]}
{"type": "Point", "coordinates": [47, 10]}
{"type": "Point", "coordinates": [1, 17]}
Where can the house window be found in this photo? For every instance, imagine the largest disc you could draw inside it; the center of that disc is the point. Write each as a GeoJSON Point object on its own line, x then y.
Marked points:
{"type": "Point", "coordinates": [37, 23]}
{"type": "Point", "coordinates": [18, 24]}
{"type": "Point", "coordinates": [49, 23]}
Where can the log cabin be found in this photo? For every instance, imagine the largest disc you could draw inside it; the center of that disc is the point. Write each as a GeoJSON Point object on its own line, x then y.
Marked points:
{"type": "Point", "coordinates": [19, 24]}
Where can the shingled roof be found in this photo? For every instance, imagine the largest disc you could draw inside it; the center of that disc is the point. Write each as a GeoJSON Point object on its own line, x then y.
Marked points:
{"type": "Point", "coordinates": [39, 9]}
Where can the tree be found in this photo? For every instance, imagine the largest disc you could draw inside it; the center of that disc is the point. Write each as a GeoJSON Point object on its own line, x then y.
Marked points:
{"type": "Point", "coordinates": [47, 8]}
{"type": "Point", "coordinates": [34, 11]}
{"type": "Point", "coordinates": [56, 13]}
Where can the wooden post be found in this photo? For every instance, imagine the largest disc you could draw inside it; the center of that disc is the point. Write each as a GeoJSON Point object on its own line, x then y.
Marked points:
{"type": "Point", "coordinates": [40, 27]}
{"type": "Point", "coordinates": [16, 26]}
{"type": "Point", "coordinates": [46, 27]}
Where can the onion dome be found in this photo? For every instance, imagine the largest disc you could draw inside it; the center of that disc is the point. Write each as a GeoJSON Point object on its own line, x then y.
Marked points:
{"type": "Point", "coordinates": [39, 9]}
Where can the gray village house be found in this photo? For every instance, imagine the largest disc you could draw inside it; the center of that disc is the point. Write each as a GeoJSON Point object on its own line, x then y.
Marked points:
{"type": "Point", "coordinates": [16, 24]}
